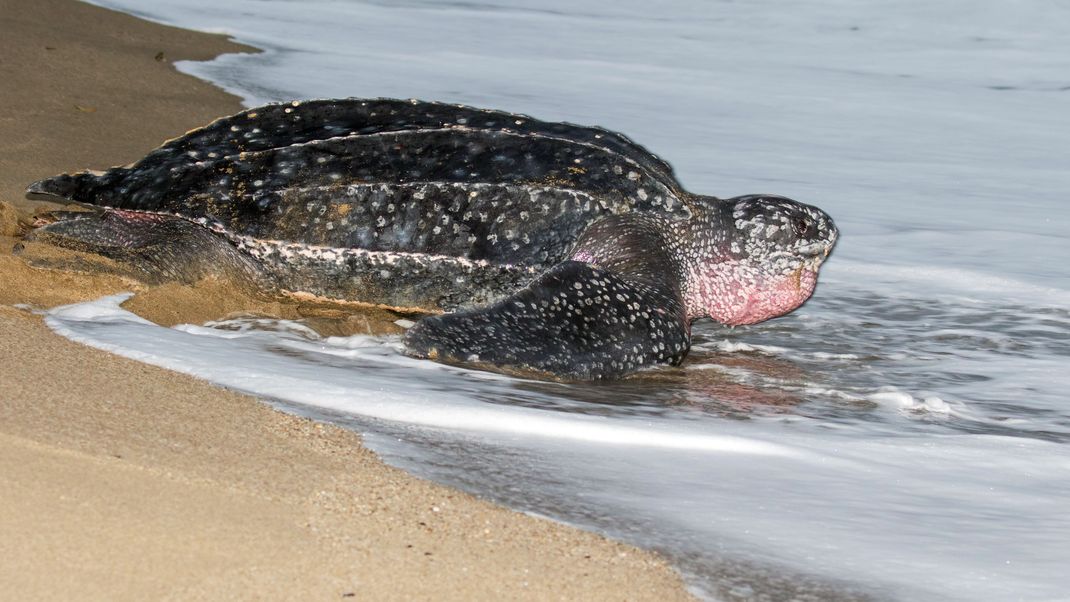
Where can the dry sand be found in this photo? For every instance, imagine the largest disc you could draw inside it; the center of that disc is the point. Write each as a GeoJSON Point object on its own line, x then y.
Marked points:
{"type": "Point", "coordinates": [121, 481]}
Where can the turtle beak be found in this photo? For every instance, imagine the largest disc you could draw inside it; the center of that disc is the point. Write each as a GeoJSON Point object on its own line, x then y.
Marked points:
{"type": "Point", "coordinates": [814, 254]}
{"type": "Point", "coordinates": [815, 249]}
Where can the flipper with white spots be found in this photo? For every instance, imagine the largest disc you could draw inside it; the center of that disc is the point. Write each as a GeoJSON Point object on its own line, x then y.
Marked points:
{"type": "Point", "coordinates": [576, 321]}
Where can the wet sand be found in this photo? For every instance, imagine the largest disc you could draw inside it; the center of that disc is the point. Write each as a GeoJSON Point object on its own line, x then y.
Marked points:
{"type": "Point", "coordinates": [123, 481]}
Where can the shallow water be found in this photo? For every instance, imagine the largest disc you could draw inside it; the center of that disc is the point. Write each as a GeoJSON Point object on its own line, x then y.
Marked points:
{"type": "Point", "coordinates": [904, 435]}
{"type": "Point", "coordinates": [757, 469]}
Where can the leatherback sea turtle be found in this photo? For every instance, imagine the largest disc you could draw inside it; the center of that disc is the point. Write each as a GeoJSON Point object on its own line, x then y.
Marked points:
{"type": "Point", "coordinates": [560, 249]}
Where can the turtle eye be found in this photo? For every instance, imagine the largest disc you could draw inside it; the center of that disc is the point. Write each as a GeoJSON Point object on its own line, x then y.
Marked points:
{"type": "Point", "coordinates": [803, 227]}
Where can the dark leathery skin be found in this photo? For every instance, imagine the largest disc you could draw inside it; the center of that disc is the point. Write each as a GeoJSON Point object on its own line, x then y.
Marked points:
{"type": "Point", "coordinates": [571, 250]}
{"type": "Point", "coordinates": [575, 321]}
{"type": "Point", "coordinates": [272, 126]}
{"type": "Point", "coordinates": [500, 223]}
{"type": "Point", "coordinates": [235, 191]}
{"type": "Point", "coordinates": [156, 248]}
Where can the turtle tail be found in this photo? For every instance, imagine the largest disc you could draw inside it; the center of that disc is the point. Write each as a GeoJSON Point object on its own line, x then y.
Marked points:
{"type": "Point", "coordinates": [80, 187]}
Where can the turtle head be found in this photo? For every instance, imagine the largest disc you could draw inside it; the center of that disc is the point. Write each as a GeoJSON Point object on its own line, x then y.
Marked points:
{"type": "Point", "coordinates": [754, 257]}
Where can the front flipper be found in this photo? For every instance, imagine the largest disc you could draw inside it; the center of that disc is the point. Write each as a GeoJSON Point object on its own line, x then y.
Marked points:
{"type": "Point", "coordinates": [575, 321]}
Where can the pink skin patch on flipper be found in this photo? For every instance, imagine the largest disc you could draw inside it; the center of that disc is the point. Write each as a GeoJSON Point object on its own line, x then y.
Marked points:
{"type": "Point", "coordinates": [584, 257]}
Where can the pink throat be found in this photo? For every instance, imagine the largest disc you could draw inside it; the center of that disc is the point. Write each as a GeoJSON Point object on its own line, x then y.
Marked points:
{"type": "Point", "coordinates": [735, 295]}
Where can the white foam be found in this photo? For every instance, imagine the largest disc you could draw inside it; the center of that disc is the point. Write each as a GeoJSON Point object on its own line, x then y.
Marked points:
{"type": "Point", "coordinates": [105, 309]}
{"type": "Point", "coordinates": [902, 400]}
{"type": "Point", "coordinates": [822, 355]}
{"type": "Point", "coordinates": [169, 349]}
{"type": "Point", "coordinates": [727, 346]}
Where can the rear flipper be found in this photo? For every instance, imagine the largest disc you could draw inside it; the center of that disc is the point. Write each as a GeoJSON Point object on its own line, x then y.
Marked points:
{"type": "Point", "coordinates": [575, 321]}
{"type": "Point", "coordinates": [151, 248]}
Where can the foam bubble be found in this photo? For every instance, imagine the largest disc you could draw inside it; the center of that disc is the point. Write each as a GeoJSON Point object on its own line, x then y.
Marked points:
{"type": "Point", "coordinates": [727, 346]}
{"type": "Point", "coordinates": [901, 400]}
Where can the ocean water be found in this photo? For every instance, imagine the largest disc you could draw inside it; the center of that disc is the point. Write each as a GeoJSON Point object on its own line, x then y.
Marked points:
{"type": "Point", "coordinates": [905, 435]}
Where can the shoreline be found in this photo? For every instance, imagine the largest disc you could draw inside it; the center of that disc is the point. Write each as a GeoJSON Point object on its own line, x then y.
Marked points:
{"type": "Point", "coordinates": [119, 480]}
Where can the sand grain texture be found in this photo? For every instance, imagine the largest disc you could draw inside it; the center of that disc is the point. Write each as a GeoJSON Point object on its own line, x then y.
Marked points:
{"type": "Point", "coordinates": [121, 481]}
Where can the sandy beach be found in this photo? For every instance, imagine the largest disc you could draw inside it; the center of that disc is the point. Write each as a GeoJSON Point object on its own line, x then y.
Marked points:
{"type": "Point", "coordinates": [121, 481]}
